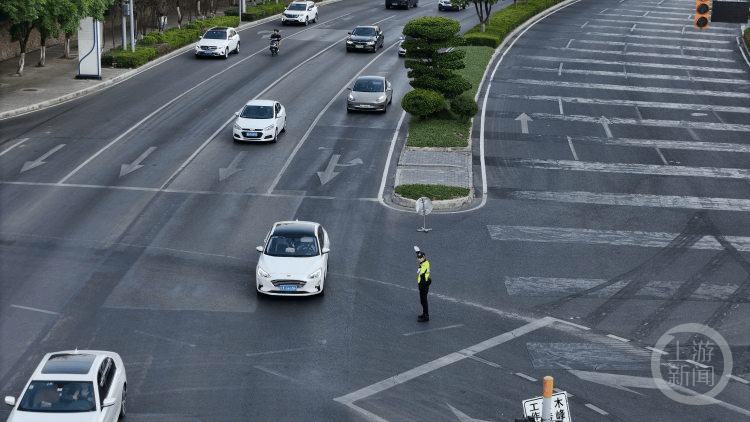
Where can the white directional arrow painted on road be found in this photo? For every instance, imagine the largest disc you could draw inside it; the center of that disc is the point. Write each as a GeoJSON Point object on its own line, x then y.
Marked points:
{"type": "Point", "coordinates": [39, 161]}
{"type": "Point", "coordinates": [328, 174]}
{"type": "Point", "coordinates": [135, 165]}
{"type": "Point", "coordinates": [232, 168]}
{"type": "Point", "coordinates": [525, 119]}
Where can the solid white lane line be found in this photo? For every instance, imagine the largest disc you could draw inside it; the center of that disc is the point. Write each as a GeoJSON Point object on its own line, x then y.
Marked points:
{"type": "Point", "coordinates": [526, 377]}
{"type": "Point", "coordinates": [624, 340]}
{"type": "Point", "coordinates": [441, 362]}
{"type": "Point", "coordinates": [28, 308]}
{"type": "Point", "coordinates": [596, 409]}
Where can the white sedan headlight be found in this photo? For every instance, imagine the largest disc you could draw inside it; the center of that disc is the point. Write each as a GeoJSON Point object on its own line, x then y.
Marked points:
{"type": "Point", "coordinates": [315, 274]}
{"type": "Point", "coordinates": [351, 97]}
{"type": "Point", "coordinates": [237, 127]}
{"type": "Point", "coordinates": [269, 127]}
{"type": "Point", "coordinates": [381, 99]}
{"type": "Point", "coordinates": [370, 42]}
{"type": "Point", "coordinates": [263, 273]}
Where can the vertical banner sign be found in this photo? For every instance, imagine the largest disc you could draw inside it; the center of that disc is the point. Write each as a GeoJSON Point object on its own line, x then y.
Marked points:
{"type": "Point", "coordinates": [89, 49]}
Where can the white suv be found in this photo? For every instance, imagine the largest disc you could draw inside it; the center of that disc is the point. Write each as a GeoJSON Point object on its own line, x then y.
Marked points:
{"type": "Point", "coordinates": [302, 12]}
{"type": "Point", "coordinates": [218, 41]}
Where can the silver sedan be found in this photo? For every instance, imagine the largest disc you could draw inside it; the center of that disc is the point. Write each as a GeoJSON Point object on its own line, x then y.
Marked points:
{"type": "Point", "coordinates": [370, 93]}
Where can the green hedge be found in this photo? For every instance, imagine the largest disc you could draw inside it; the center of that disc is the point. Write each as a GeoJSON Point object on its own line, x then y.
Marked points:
{"type": "Point", "coordinates": [434, 192]}
{"type": "Point", "coordinates": [127, 59]}
{"type": "Point", "coordinates": [504, 21]}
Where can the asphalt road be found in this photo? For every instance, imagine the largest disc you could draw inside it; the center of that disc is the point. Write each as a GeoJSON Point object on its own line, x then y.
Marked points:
{"type": "Point", "coordinates": [612, 213]}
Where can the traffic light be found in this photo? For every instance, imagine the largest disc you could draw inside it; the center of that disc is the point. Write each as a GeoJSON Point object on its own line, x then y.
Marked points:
{"type": "Point", "coordinates": [702, 10]}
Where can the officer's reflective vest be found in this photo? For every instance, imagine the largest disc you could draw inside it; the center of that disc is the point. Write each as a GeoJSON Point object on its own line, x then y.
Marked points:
{"type": "Point", "coordinates": [424, 268]}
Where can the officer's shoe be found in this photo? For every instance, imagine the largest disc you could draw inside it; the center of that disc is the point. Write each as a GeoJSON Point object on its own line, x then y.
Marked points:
{"type": "Point", "coordinates": [423, 318]}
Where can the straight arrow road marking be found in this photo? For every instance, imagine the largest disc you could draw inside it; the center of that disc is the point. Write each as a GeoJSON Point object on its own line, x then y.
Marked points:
{"type": "Point", "coordinates": [39, 161]}
{"type": "Point", "coordinates": [135, 165]}
{"type": "Point", "coordinates": [525, 119]}
{"type": "Point", "coordinates": [232, 168]}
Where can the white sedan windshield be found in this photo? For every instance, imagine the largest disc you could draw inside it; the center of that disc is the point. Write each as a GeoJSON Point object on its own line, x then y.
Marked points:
{"type": "Point", "coordinates": [292, 245]}
{"type": "Point", "coordinates": [257, 112]}
{"type": "Point", "coordinates": [58, 396]}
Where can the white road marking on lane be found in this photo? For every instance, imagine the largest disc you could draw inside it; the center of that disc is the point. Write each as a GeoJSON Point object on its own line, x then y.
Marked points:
{"type": "Point", "coordinates": [651, 169]}
{"type": "Point", "coordinates": [606, 237]}
{"type": "Point", "coordinates": [439, 363]}
{"type": "Point", "coordinates": [28, 308]}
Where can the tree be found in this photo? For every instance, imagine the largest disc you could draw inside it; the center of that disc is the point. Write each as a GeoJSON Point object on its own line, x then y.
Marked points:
{"type": "Point", "coordinates": [46, 24]}
{"type": "Point", "coordinates": [430, 55]}
{"type": "Point", "coordinates": [483, 9]}
{"type": "Point", "coordinates": [21, 14]}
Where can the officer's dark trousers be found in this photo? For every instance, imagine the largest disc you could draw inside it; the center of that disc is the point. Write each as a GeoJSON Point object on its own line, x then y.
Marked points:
{"type": "Point", "coordinates": [424, 288]}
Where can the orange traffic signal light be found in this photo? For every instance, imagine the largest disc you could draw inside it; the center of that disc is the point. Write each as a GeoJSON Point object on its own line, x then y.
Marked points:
{"type": "Point", "coordinates": [702, 10]}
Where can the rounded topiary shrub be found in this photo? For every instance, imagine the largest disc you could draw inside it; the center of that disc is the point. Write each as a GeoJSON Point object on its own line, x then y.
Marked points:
{"type": "Point", "coordinates": [422, 102]}
{"type": "Point", "coordinates": [464, 107]}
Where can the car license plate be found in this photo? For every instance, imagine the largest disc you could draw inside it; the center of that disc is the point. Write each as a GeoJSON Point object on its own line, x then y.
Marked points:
{"type": "Point", "coordinates": [358, 46]}
{"type": "Point", "coordinates": [288, 288]}
{"type": "Point", "coordinates": [252, 134]}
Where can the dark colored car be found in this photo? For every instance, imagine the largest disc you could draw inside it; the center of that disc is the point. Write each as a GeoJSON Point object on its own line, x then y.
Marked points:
{"type": "Point", "coordinates": [403, 4]}
{"type": "Point", "coordinates": [368, 38]}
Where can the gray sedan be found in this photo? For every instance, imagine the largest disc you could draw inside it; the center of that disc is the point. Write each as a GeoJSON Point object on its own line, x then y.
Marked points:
{"type": "Point", "coordinates": [370, 93]}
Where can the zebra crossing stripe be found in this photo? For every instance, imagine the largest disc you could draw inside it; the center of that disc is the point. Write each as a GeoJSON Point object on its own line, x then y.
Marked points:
{"type": "Point", "coordinates": [651, 169]}
{"type": "Point", "coordinates": [636, 200]}
{"type": "Point", "coordinates": [530, 286]}
{"type": "Point", "coordinates": [606, 237]}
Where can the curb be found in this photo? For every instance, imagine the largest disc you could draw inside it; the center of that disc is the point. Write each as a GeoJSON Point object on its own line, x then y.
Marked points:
{"type": "Point", "coordinates": [459, 203]}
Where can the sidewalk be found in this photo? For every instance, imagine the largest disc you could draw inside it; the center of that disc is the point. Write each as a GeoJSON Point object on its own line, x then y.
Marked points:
{"type": "Point", "coordinates": [55, 83]}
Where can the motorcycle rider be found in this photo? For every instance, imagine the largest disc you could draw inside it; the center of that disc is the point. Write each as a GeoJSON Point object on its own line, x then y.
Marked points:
{"type": "Point", "coordinates": [276, 36]}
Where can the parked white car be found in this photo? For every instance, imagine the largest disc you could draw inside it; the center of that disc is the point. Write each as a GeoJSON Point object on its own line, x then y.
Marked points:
{"type": "Point", "coordinates": [259, 121]}
{"type": "Point", "coordinates": [73, 386]}
{"type": "Point", "coordinates": [293, 259]}
{"type": "Point", "coordinates": [302, 12]}
{"type": "Point", "coordinates": [218, 41]}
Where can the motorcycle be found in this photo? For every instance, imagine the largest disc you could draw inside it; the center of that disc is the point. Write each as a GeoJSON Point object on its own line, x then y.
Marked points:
{"type": "Point", "coordinates": [274, 47]}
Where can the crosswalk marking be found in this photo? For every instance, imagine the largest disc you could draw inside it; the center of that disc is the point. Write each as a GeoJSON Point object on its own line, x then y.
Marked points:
{"type": "Point", "coordinates": [629, 88]}
{"type": "Point", "coordinates": [606, 237]}
{"type": "Point", "coordinates": [530, 286]}
{"type": "Point", "coordinates": [649, 169]}
{"type": "Point", "coordinates": [636, 200]}
{"type": "Point", "coordinates": [710, 69]}
{"type": "Point", "coordinates": [628, 103]}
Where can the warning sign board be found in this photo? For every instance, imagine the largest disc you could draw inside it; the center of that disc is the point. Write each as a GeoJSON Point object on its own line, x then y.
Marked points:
{"type": "Point", "coordinates": [558, 412]}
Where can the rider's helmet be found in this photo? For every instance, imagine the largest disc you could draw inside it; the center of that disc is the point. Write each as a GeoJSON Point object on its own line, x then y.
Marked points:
{"type": "Point", "coordinates": [420, 255]}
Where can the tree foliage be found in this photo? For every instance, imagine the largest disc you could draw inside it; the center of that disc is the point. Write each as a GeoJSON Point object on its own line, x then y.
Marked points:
{"type": "Point", "coordinates": [48, 17]}
{"type": "Point", "coordinates": [431, 58]}
{"type": "Point", "coordinates": [482, 7]}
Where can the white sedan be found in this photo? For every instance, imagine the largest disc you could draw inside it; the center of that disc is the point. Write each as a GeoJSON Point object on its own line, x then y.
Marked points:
{"type": "Point", "coordinates": [73, 386]}
{"type": "Point", "coordinates": [293, 260]}
{"type": "Point", "coordinates": [259, 121]}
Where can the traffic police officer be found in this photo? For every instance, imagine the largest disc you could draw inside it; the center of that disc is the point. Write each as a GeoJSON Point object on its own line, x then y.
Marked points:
{"type": "Point", "coordinates": [423, 281]}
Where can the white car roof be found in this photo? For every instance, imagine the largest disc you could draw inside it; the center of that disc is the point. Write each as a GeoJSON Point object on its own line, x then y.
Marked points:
{"type": "Point", "coordinates": [72, 365]}
{"type": "Point", "coordinates": [261, 102]}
